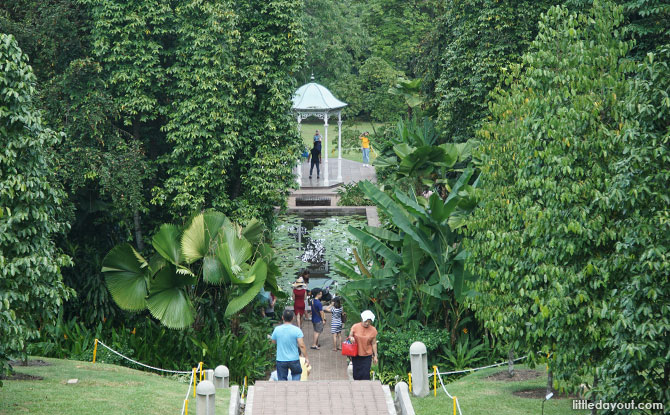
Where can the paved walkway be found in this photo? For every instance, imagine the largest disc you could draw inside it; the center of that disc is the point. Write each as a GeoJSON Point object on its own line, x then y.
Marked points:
{"type": "Point", "coordinates": [326, 363]}
{"type": "Point", "coordinates": [352, 171]}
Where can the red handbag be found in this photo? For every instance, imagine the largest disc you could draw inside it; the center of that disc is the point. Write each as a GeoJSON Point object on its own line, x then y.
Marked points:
{"type": "Point", "coordinates": [349, 349]}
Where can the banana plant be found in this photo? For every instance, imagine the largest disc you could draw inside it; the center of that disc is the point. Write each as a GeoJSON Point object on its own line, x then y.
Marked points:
{"type": "Point", "coordinates": [222, 252]}
{"type": "Point", "coordinates": [415, 156]}
{"type": "Point", "coordinates": [423, 257]}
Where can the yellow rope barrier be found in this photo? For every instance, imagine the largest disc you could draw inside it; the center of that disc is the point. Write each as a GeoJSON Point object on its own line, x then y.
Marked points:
{"type": "Point", "coordinates": [95, 350]}
{"type": "Point", "coordinates": [454, 405]}
{"type": "Point", "coordinates": [200, 369]}
{"type": "Point", "coordinates": [186, 407]}
{"type": "Point", "coordinates": [410, 381]}
{"type": "Point", "coordinates": [244, 391]}
{"type": "Point", "coordinates": [435, 381]}
{"type": "Point", "coordinates": [194, 379]}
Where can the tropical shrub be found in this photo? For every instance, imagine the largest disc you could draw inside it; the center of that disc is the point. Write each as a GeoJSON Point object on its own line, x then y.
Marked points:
{"type": "Point", "coordinates": [246, 353]}
{"type": "Point", "coordinates": [351, 195]}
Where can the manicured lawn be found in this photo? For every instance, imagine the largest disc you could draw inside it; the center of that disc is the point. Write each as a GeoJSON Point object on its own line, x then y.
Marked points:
{"type": "Point", "coordinates": [102, 389]}
{"type": "Point", "coordinates": [355, 154]}
{"type": "Point", "coordinates": [479, 396]}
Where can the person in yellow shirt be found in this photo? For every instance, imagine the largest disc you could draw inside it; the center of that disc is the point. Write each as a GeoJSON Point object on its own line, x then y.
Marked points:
{"type": "Point", "coordinates": [365, 144]}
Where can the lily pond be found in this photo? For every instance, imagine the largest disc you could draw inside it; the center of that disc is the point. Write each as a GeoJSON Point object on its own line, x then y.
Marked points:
{"type": "Point", "coordinates": [313, 243]}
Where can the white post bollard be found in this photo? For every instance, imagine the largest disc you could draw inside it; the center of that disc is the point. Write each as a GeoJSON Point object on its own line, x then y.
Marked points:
{"type": "Point", "coordinates": [418, 356]}
{"type": "Point", "coordinates": [221, 377]}
{"type": "Point", "coordinates": [205, 398]}
{"type": "Point", "coordinates": [209, 375]}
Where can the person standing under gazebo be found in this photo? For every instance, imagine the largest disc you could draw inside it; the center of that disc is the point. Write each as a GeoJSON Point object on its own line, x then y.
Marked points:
{"type": "Point", "coordinates": [315, 156]}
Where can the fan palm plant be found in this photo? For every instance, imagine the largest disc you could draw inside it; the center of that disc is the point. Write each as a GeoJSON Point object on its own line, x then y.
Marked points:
{"type": "Point", "coordinates": [222, 252]}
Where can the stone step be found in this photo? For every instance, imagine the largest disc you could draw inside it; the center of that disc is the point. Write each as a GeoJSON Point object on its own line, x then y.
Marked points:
{"type": "Point", "coordinates": [328, 397]}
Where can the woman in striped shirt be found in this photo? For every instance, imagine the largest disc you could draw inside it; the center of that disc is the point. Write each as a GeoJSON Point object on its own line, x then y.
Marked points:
{"type": "Point", "coordinates": [336, 322]}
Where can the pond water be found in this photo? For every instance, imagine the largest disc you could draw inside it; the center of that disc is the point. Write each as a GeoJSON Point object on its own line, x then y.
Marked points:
{"type": "Point", "coordinates": [313, 243]}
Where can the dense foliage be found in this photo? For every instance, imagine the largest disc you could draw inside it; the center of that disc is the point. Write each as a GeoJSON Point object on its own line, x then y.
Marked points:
{"type": "Point", "coordinates": [31, 286]}
{"type": "Point", "coordinates": [573, 166]}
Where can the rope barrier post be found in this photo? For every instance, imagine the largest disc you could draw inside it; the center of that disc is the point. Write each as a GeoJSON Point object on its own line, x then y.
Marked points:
{"type": "Point", "coordinates": [410, 381]}
{"type": "Point", "coordinates": [185, 406]}
{"type": "Point", "coordinates": [454, 405]}
{"type": "Point", "coordinates": [435, 381]}
{"type": "Point", "coordinates": [194, 379]}
{"type": "Point", "coordinates": [200, 369]}
{"type": "Point", "coordinates": [95, 350]}
{"type": "Point", "coordinates": [244, 391]}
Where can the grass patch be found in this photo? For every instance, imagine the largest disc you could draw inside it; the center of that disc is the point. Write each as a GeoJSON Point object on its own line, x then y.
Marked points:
{"type": "Point", "coordinates": [102, 388]}
{"type": "Point", "coordinates": [355, 154]}
{"type": "Point", "coordinates": [479, 396]}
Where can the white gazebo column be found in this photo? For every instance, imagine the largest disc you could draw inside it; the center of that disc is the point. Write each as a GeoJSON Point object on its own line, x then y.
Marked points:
{"type": "Point", "coordinates": [339, 147]}
{"type": "Point", "coordinates": [299, 168]}
{"type": "Point", "coordinates": [326, 182]}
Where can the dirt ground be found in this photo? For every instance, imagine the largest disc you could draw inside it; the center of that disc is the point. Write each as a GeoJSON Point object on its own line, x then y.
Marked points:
{"type": "Point", "coordinates": [519, 375]}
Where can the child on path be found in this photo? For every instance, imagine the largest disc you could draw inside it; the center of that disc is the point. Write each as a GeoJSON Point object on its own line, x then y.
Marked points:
{"type": "Point", "coordinates": [318, 316]}
{"type": "Point", "coordinates": [306, 369]}
{"type": "Point", "coordinates": [336, 322]}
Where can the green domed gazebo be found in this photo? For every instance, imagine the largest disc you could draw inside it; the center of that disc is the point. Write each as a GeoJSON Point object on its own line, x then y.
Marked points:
{"type": "Point", "coordinates": [315, 100]}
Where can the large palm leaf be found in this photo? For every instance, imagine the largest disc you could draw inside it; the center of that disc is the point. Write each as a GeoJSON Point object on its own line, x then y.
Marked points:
{"type": "Point", "coordinates": [168, 300]}
{"type": "Point", "coordinates": [126, 277]}
{"type": "Point", "coordinates": [375, 245]}
{"type": "Point", "coordinates": [194, 241]}
{"type": "Point", "coordinates": [258, 273]}
{"type": "Point", "coordinates": [166, 243]}
{"type": "Point", "coordinates": [234, 251]}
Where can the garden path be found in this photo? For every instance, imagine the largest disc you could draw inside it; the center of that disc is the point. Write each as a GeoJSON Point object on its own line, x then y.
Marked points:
{"type": "Point", "coordinates": [352, 171]}
{"type": "Point", "coordinates": [327, 364]}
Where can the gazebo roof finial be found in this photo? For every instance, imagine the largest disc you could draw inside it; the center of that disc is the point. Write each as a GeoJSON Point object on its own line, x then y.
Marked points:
{"type": "Point", "coordinates": [312, 77]}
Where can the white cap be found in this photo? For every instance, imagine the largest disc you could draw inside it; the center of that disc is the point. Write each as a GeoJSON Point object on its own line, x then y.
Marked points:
{"type": "Point", "coordinates": [368, 315]}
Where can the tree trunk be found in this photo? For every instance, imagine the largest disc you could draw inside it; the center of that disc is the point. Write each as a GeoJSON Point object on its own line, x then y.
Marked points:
{"type": "Point", "coordinates": [138, 231]}
{"type": "Point", "coordinates": [594, 411]}
{"type": "Point", "coordinates": [550, 382]}
{"type": "Point", "coordinates": [510, 365]}
{"type": "Point", "coordinates": [136, 213]}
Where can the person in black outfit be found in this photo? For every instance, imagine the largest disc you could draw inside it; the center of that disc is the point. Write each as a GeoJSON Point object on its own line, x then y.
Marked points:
{"type": "Point", "coordinates": [315, 156]}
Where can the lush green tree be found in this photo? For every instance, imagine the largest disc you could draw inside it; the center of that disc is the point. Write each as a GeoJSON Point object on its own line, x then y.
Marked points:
{"type": "Point", "coordinates": [129, 37]}
{"type": "Point", "coordinates": [375, 79]}
{"type": "Point", "coordinates": [481, 39]}
{"type": "Point", "coordinates": [397, 27]}
{"type": "Point", "coordinates": [639, 365]}
{"type": "Point", "coordinates": [51, 34]}
{"type": "Point", "coordinates": [648, 21]}
{"type": "Point", "coordinates": [336, 41]}
{"type": "Point", "coordinates": [31, 287]}
{"type": "Point", "coordinates": [234, 141]}
{"type": "Point", "coordinates": [557, 238]}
